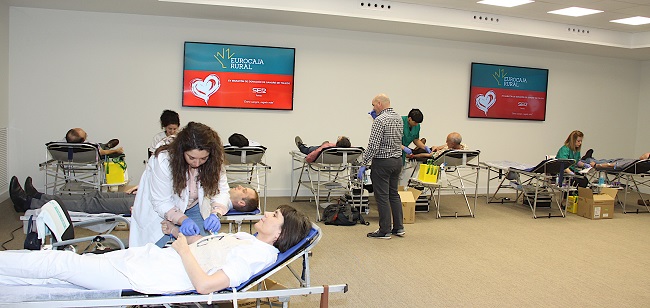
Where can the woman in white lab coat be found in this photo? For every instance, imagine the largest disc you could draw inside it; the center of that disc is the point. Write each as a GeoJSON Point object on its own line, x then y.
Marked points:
{"type": "Point", "coordinates": [177, 178]}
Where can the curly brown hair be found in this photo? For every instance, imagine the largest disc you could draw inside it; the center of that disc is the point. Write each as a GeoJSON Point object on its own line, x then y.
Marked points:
{"type": "Point", "coordinates": [196, 136]}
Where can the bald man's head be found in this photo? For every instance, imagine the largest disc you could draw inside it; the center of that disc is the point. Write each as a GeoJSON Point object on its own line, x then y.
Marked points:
{"type": "Point", "coordinates": [380, 102]}
{"type": "Point", "coordinates": [454, 140]}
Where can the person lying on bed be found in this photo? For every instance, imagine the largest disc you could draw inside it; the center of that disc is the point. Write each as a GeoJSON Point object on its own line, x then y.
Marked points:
{"type": "Point", "coordinates": [454, 141]}
{"type": "Point", "coordinates": [239, 140]}
{"type": "Point", "coordinates": [243, 199]}
{"type": "Point", "coordinates": [207, 264]}
{"type": "Point", "coordinates": [607, 163]}
{"type": "Point", "coordinates": [313, 151]}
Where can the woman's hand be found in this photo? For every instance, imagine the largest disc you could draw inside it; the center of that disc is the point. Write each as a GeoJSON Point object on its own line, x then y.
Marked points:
{"type": "Point", "coordinates": [180, 245]}
{"type": "Point", "coordinates": [132, 191]}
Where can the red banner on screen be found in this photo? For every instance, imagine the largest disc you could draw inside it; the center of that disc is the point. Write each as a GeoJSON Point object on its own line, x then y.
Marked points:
{"type": "Point", "coordinates": [507, 104]}
{"type": "Point", "coordinates": [237, 90]}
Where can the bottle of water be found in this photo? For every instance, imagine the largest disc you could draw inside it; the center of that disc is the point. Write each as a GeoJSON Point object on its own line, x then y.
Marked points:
{"type": "Point", "coordinates": [601, 180]}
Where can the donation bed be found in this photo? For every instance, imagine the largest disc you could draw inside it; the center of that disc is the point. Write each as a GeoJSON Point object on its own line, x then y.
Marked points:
{"type": "Point", "coordinates": [333, 172]}
{"type": "Point", "coordinates": [538, 185]}
{"type": "Point", "coordinates": [70, 296]}
{"type": "Point", "coordinates": [459, 168]}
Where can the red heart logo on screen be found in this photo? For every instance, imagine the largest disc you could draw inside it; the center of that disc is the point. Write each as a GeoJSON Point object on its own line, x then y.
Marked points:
{"type": "Point", "coordinates": [204, 88]}
{"type": "Point", "coordinates": [484, 102]}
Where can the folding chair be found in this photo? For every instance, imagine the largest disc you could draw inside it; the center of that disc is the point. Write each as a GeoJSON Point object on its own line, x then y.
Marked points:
{"type": "Point", "coordinates": [245, 166]}
{"type": "Point", "coordinates": [332, 172]}
{"type": "Point", "coordinates": [72, 168]}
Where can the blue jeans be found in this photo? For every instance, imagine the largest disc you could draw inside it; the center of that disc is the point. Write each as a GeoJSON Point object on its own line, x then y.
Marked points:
{"type": "Point", "coordinates": [194, 214]}
{"type": "Point", "coordinates": [385, 174]}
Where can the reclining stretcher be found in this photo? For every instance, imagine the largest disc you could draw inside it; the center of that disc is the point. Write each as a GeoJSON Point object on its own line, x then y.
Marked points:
{"type": "Point", "coordinates": [75, 168]}
{"type": "Point", "coordinates": [332, 172]}
{"type": "Point", "coordinates": [460, 166]}
{"type": "Point", "coordinates": [67, 296]}
{"type": "Point", "coordinates": [237, 218]}
{"type": "Point", "coordinates": [245, 166]}
{"type": "Point", "coordinates": [631, 176]}
{"type": "Point", "coordinates": [532, 184]}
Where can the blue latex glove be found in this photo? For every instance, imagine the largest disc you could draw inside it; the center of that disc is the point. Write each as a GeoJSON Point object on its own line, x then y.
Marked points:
{"type": "Point", "coordinates": [362, 170]}
{"type": "Point", "coordinates": [212, 223]}
{"type": "Point", "coordinates": [428, 149]}
{"type": "Point", "coordinates": [407, 150]}
{"type": "Point", "coordinates": [373, 114]}
{"type": "Point", "coordinates": [189, 227]}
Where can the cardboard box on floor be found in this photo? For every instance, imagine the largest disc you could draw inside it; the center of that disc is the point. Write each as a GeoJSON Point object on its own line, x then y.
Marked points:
{"type": "Point", "coordinates": [600, 206]}
{"type": "Point", "coordinates": [408, 198]}
{"type": "Point", "coordinates": [267, 284]}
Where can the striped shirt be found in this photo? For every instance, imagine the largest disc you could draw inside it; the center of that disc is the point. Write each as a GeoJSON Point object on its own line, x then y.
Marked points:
{"type": "Point", "coordinates": [385, 137]}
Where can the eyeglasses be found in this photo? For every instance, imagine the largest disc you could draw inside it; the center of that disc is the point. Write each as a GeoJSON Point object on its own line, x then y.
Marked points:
{"type": "Point", "coordinates": [206, 240]}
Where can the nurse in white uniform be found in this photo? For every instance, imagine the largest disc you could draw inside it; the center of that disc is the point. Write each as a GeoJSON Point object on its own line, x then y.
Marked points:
{"type": "Point", "coordinates": [173, 187]}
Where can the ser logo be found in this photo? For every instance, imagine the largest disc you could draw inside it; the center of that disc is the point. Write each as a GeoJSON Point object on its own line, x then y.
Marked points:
{"type": "Point", "coordinates": [259, 91]}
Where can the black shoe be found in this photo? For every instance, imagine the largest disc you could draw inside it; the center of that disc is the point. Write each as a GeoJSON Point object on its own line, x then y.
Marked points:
{"type": "Point", "coordinates": [589, 154]}
{"type": "Point", "coordinates": [18, 195]}
{"type": "Point", "coordinates": [378, 234]}
{"type": "Point", "coordinates": [30, 190]}
{"type": "Point", "coordinates": [398, 232]}
{"type": "Point", "coordinates": [112, 143]}
{"type": "Point", "coordinates": [298, 141]}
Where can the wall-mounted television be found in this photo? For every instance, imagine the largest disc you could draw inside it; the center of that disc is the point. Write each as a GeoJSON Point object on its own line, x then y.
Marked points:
{"type": "Point", "coordinates": [507, 92]}
{"type": "Point", "coordinates": [238, 76]}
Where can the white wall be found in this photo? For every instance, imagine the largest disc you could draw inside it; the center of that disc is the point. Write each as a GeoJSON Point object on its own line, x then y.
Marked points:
{"type": "Point", "coordinates": [113, 74]}
{"type": "Point", "coordinates": [4, 93]}
{"type": "Point", "coordinates": [643, 137]}
{"type": "Point", "coordinates": [4, 62]}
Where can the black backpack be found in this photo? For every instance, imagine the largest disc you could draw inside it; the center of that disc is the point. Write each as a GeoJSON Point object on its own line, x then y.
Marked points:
{"type": "Point", "coordinates": [342, 214]}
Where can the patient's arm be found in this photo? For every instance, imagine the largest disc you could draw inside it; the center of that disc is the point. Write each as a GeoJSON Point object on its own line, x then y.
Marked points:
{"type": "Point", "coordinates": [645, 156]}
{"type": "Point", "coordinates": [202, 282]}
{"type": "Point", "coordinates": [103, 152]}
{"type": "Point", "coordinates": [170, 228]}
{"type": "Point", "coordinates": [421, 155]}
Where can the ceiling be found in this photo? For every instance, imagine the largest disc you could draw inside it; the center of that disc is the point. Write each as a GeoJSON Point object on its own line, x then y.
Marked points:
{"type": "Point", "coordinates": [526, 26]}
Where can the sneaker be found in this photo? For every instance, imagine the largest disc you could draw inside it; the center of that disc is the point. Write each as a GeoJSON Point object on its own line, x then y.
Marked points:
{"type": "Point", "coordinates": [112, 143]}
{"type": "Point", "coordinates": [378, 234]}
{"type": "Point", "coordinates": [589, 154]}
{"type": "Point", "coordinates": [298, 141]}
{"type": "Point", "coordinates": [398, 232]}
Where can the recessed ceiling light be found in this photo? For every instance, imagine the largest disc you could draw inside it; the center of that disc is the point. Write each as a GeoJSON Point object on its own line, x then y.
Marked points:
{"type": "Point", "coordinates": [505, 3]}
{"type": "Point", "coordinates": [575, 11]}
{"type": "Point", "coordinates": [634, 21]}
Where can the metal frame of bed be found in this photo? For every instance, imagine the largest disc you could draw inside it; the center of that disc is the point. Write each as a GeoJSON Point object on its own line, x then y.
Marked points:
{"type": "Point", "coordinates": [532, 183]}
{"type": "Point", "coordinates": [460, 166]}
{"type": "Point", "coordinates": [298, 251]}
{"type": "Point", "coordinates": [631, 178]}
{"type": "Point", "coordinates": [245, 166]}
{"type": "Point", "coordinates": [333, 171]}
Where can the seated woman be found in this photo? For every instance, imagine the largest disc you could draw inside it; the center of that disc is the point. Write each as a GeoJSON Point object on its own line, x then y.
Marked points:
{"type": "Point", "coordinates": [193, 263]}
{"type": "Point", "coordinates": [571, 150]}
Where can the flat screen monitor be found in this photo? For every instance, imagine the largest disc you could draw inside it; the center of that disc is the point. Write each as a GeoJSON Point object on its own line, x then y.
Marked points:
{"type": "Point", "coordinates": [238, 76]}
{"type": "Point", "coordinates": [507, 92]}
